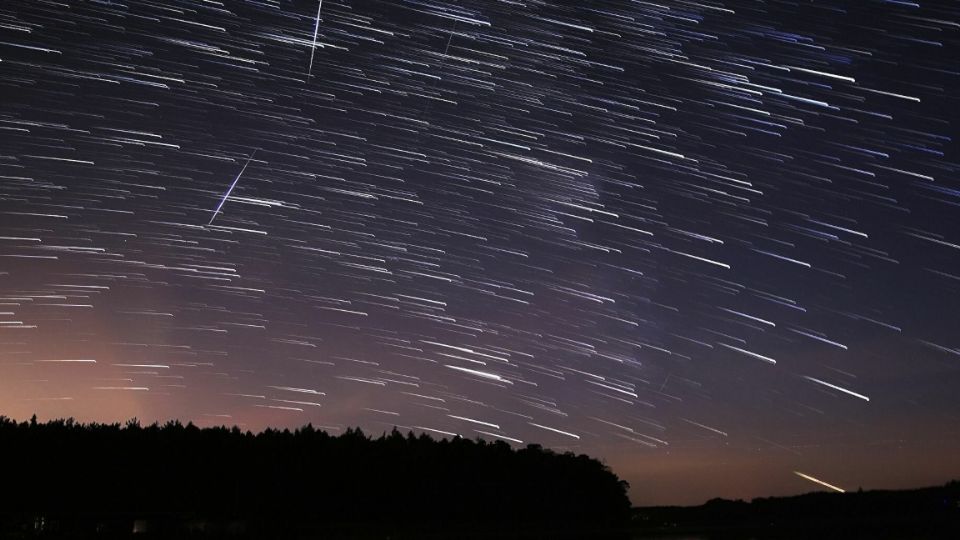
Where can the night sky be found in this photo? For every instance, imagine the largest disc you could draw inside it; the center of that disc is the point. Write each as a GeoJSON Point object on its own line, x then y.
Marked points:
{"type": "Point", "coordinates": [715, 243]}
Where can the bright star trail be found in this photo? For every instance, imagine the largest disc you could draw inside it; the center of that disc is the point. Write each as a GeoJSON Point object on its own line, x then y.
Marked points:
{"type": "Point", "coordinates": [712, 243]}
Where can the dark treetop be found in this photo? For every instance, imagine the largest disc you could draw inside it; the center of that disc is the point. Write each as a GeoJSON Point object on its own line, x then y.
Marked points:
{"type": "Point", "coordinates": [299, 478]}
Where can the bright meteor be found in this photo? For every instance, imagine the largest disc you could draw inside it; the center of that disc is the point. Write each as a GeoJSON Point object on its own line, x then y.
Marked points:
{"type": "Point", "coordinates": [230, 189]}
{"type": "Point", "coordinates": [820, 482]}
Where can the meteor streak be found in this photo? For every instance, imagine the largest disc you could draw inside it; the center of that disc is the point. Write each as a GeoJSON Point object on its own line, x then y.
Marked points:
{"type": "Point", "coordinates": [230, 189]}
{"type": "Point", "coordinates": [313, 48]}
{"type": "Point", "coordinates": [821, 482]}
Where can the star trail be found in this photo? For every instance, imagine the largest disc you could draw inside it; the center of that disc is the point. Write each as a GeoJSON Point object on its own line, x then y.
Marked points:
{"type": "Point", "coordinates": [700, 240]}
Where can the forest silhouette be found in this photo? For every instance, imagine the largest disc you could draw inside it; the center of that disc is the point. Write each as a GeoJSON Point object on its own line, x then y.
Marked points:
{"type": "Point", "coordinates": [922, 513]}
{"type": "Point", "coordinates": [89, 479]}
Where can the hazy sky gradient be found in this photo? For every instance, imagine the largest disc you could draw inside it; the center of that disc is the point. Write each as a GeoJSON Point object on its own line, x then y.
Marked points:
{"type": "Point", "coordinates": [711, 243]}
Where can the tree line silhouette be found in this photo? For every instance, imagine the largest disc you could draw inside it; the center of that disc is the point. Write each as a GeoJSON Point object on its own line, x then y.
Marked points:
{"type": "Point", "coordinates": [928, 513]}
{"type": "Point", "coordinates": [64, 475]}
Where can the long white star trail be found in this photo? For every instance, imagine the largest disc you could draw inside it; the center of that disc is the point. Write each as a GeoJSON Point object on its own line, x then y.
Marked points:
{"type": "Point", "coordinates": [700, 240]}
